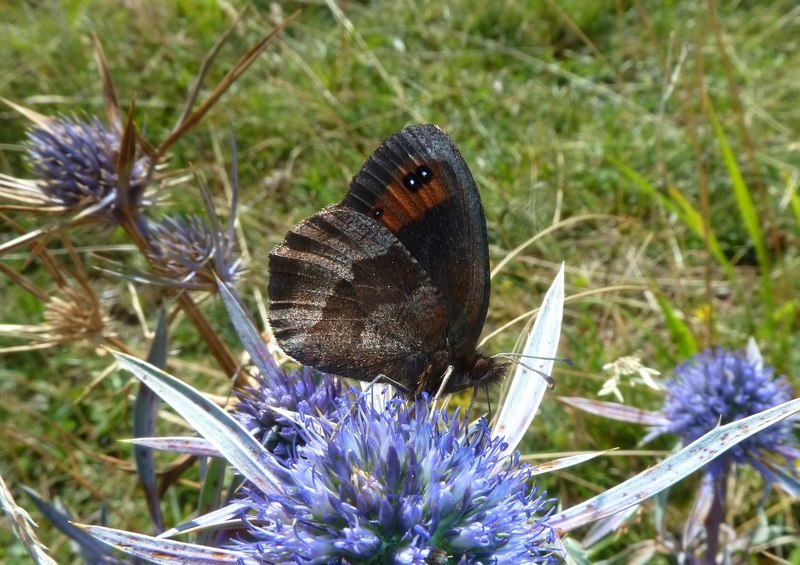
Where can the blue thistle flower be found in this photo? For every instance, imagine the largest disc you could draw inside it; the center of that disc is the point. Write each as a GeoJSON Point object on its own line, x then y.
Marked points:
{"type": "Point", "coordinates": [399, 486]}
{"type": "Point", "coordinates": [76, 165]}
{"type": "Point", "coordinates": [304, 391]}
{"type": "Point", "coordinates": [721, 386]}
{"type": "Point", "coordinates": [712, 399]}
{"type": "Point", "coordinates": [185, 250]}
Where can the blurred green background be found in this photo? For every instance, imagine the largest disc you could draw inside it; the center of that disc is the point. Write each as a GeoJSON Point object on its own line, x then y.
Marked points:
{"type": "Point", "coordinates": [657, 143]}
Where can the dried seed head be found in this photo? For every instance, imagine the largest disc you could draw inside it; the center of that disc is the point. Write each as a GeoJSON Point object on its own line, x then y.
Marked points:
{"type": "Point", "coordinates": [72, 315]}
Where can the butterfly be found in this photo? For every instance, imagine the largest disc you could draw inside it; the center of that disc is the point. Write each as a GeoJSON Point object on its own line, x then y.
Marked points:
{"type": "Point", "coordinates": [393, 280]}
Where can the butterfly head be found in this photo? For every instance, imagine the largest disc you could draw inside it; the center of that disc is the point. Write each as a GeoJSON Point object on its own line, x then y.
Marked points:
{"type": "Point", "coordinates": [477, 372]}
{"type": "Point", "coordinates": [486, 371]}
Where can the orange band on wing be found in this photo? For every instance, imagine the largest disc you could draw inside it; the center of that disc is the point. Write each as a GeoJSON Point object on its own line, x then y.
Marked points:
{"type": "Point", "coordinates": [400, 206]}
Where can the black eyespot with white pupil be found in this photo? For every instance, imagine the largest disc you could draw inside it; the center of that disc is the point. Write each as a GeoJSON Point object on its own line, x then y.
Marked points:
{"type": "Point", "coordinates": [377, 213]}
{"type": "Point", "coordinates": [416, 180]}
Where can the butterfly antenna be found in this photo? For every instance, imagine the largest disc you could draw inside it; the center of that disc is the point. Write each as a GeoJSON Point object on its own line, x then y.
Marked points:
{"type": "Point", "coordinates": [514, 357]}
{"type": "Point", "coordinates": [386, 380]}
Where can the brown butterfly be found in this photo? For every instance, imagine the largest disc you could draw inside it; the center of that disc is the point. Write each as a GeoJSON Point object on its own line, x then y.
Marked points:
{"type": "Point", "coordinates": [394, 280]}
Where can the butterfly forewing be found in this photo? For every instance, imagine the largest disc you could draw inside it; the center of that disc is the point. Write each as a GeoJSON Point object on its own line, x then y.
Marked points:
{"type": "Point", "coordinates": [418, 186]}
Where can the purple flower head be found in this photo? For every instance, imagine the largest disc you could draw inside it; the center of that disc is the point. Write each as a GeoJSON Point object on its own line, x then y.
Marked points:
{"type": "Point", "coordinates": [75, 162]}
{"type": "Point", "coordinates": [718, 387]}
{"type": "Point", "coordinates": [399, 486]}
{"type": "Point", "coordinates": [186, 250]}
{"type": "Point", "coordinates": [303, 390]}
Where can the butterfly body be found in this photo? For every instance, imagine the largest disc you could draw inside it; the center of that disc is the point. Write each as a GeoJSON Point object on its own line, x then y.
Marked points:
{"type": "Point", "coordinates": [394, 280]}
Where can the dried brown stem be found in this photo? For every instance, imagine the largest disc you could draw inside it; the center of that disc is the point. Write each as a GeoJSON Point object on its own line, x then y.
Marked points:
{"type": "Point", "coordinates": [240, 67]}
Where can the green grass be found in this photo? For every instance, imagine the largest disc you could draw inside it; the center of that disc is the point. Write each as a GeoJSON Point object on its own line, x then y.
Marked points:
{"type": "Point", "coordinates": [561, 111]}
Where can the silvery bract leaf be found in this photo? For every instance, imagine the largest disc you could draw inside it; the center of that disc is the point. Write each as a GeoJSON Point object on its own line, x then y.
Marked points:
{"type": "Point", "coordinates": [166, 552]}
{"type": "Point", "coordinates": [527, 387]}
{"type": "Point", "coordinates": [248, 336]}
{"type": "Point", "coordinates": [619, 412]}
{"type": "Point", "coordinates": [180, 444]}
{"type": "Point", "coordinates": [210, 421]}
{"type": "Point", "coordinates": [563, 463]}
{"type": "Point", "coordinates": [673, 469]}
{"type": "Point", "coordinates": [211, 519]}
{"type": "Point", "coordinates": [607, 526]}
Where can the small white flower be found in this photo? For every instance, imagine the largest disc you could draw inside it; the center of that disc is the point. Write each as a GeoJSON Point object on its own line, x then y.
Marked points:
{"type": "Point", "coordinates": [627, 366]}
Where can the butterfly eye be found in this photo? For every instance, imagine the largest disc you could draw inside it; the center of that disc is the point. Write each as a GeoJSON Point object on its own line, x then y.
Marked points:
{"type": "Point", "coordinates": [425, 174]}
{"type": "Point", "coordinates": [412, 182]}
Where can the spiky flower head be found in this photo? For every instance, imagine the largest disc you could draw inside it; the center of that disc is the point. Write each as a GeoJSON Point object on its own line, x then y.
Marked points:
{"type": "Point", "coordinates": [720, 386]}
{"type": "Point", "coordinates": [71, 315]}
{"type": "Point", "coordinates": [304, 391]}
{"type": "Point", "coordinates": [400, 485]}
{"type": "Point", "coordinates": [75, 162]}
{"type": "Point", "coordinates": [185, 250]}
{"type": "Point", "coordinates": [75, 315]}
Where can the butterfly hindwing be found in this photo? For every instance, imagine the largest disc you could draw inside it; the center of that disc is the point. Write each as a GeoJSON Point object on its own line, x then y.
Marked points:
{"type": "Point", "coordinates": [348, 298]}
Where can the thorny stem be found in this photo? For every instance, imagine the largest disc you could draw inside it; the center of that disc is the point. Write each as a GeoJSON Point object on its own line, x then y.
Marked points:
{"type": "Point", "coordinates": [218, 349]}
{"type": "Point", "coordinates": [212, 339]}
{"type": "Point", "coordinates": [187, 122]}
